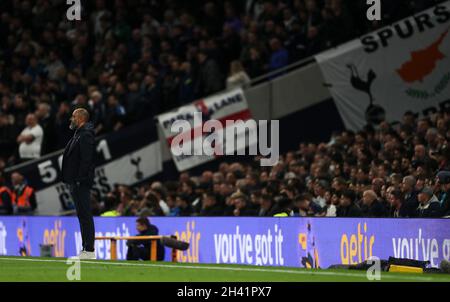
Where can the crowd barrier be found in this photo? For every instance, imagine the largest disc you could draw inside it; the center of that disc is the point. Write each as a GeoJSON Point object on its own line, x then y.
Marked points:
{"type": "Point", "coordinates": [293, 242]}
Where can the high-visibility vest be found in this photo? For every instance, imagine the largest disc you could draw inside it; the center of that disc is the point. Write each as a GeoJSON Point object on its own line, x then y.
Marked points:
{"type": "Point", "coordinates": [23, 200]}
{"type": "Point", "coordinates": [2, 190]}
{"type": "Point", "coordinates": [112, 213]}
{"type": "Point", "coordinates": [282, 214]}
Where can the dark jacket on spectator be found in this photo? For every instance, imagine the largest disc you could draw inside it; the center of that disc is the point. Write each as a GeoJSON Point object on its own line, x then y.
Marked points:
{"type": "Point", "coordinates": [431, 210]}
{"type": "Point", "coordinates": [215, 210]}
{"type": "Point", "coordinates": [247, 211]}
{"type": "Point", "coordinates": [376, 209]}
{"type": "Point", "coordinates": [411, 203]}
{"type": "Point", "coordinates": [5, 201]}
{"type": "Point", "coordinates": [210, 78]}
{"type": "Point", "coordinates": [352, 210]}
{"type": "Point", "coordinates": [401, 213]}
{"type": "Point", "coordinates": [445, 204]}
{"type": "Point", "coordinates": [49, 139]}
{"type": "Point", "coordinates": [183, 212]}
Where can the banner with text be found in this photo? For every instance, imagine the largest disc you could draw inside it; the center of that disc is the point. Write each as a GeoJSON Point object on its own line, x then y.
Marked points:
{"type": "Point", "coordinates": [227, 106]}
{"type": "Point", "coordinates": [293, 242]}
{"type": "Point", "coordinates": [123, 157]}
{"type": "Point", "coordinates": [401, 67]}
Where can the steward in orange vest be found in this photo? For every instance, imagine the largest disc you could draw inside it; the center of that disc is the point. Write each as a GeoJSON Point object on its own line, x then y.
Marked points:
{"type": "Point", "coordinates": [5, 200]}
{"type": "Point", "coordinates": [24, 198]}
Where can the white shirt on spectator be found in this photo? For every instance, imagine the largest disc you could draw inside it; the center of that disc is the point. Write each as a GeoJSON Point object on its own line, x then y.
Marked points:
{"type": "Point", "coordinates": [238, 80]}
{"type": "Point", "coordinates": [320, 201]}
{"type": "Point", "coordinates": [164, 207]}
{"type": "Point", "coordinates": [33, 149]}
{"type": "Point", "coordinates": [331, 211]}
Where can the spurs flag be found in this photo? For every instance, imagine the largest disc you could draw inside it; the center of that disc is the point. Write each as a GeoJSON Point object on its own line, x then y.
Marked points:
{"type": "Point", "coordinates": [235, 132]}
{"type": "Point", "coordinates": [405, 66]}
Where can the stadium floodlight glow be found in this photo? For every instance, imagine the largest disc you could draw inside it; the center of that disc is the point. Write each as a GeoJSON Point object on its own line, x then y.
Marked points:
{"type": "Point", "coordinates": [226, 138]}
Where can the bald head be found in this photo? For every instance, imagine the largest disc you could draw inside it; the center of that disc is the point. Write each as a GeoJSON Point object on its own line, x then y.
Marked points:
{"type": "Point", "coordinates": [369, 196]}
{"type": "Point", "coordinates": [31, 120]}
{"type": "Point", "coordinates": [79, 117]}
{"type": "Point", "coordinates": [82, 113]}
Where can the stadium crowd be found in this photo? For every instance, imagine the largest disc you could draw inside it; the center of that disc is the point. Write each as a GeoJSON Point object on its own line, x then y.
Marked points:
{"type": "Point", "coordinates": [387, 171]}
{"type": "Point", "coordinates": [130, 60]}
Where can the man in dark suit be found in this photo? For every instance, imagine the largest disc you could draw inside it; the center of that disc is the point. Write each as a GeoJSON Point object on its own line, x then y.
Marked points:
{"type": "Point", "coordinates": [78, 173]}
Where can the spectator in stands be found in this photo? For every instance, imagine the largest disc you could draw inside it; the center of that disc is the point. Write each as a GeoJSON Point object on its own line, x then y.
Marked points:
{"type": "Point", "coordinates": [241, 205]}
{"type": "Point", "coordinates": [266, 205]}
{"type": "Point", "coordinates": [111, 206]}
{"type": "Point", "coordinates": [429, 206]}
{"type": "Point", "coordinates": [150, 206]}
{"type": "Point", "coordinates": [6, 198]}
{"type": "Point", "coordinates": [302, 205]}
{"type": "Point", "coordinates": [47, 122]}
{"type": "Point", "coordinates": [114, 115]}
{"type": "Point", "coordinates": [210, 77]}
{"type": "Point", "coordinates": [140, 249]}
{"type": "Point", "coordinates": [397, 208]}
{"type": "Point", "coordinates": [62, 122]}
{"type": "Point", "coordinates": [152, 61]}
{"type": "Point", "coordinates": [238, 77]}
{"type": "Point", "coordinates": [210, 206]}
{"type": "Point", "coordinates": [330, 208]}
{"type": "Point", "coordinates": [371, 206]}
{"type": "Point", "coordinates": [319, 200]}
{"type": "Point", "coordinates": [255, 64]}
{"type": "Point", "coordinates": [182, 206]}
{"type": "Point", "coordinates": [279, 57]}
{"type": "Point", "coordinates": [347, 206]}
{"type": "Point", "coordinates": [443, 178]}
{"type": "Point", "coordinates": [283, 206]}
{"type": "Point", "coordinates": [187, 86]}
{"type": "Point", "coordinates": [23, 195]}
{"type": "Point", "coordinates": [410, 194]}
{"type": "Point", "coordinates": [159, 190]}
{"type": "Point", "coordinates": [8, 135]}
{"type": "Point", "coordinates": [30, 139]}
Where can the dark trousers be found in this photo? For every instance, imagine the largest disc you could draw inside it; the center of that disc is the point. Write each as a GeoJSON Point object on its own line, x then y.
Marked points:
{"type": "Point", "coordinates": [138, 253]}
{"type": "Point", "coordinates": [82, 199]}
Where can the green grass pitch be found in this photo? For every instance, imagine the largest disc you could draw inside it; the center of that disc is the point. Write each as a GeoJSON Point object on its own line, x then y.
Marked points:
{"type": "Point", "coordinates": [34, 269]}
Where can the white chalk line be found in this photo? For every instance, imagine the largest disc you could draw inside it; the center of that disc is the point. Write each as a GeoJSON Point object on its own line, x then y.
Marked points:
{"type": "Point", "coordinates": [299, 272]}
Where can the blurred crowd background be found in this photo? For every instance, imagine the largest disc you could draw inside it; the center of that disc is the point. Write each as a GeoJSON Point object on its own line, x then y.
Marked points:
{"type": "Point", "coordinates": [129, 60]}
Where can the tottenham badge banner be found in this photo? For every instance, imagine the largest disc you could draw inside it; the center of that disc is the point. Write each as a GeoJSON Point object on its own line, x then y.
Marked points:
{"type": "Point", "coordinates": [190, 125]}
{"type": "Point", "coordinates": [126, 157]}
{"type": "Point", "coordinates": [405, 66]}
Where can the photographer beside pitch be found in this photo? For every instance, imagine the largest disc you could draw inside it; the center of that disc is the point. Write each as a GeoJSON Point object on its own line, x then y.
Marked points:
{"type": "Point", "coordinates": [78, 173]}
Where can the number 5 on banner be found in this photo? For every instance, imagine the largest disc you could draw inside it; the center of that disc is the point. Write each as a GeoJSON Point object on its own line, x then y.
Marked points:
{"type": "Point", "coordinates": [47, 171]}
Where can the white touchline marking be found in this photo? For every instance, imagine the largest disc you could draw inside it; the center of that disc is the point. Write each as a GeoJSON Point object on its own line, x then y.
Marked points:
{"type": "Point", "coordinates": [316, 272]}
